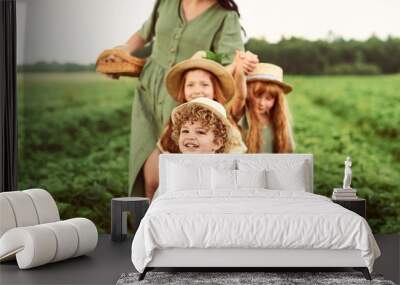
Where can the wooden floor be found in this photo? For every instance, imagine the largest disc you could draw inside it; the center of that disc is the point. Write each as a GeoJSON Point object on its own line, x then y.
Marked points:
{"type": "Point", "coordinates": [111, 259]}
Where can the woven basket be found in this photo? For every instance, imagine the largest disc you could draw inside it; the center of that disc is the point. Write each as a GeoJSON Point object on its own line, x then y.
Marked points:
{"type": "Point", "coordinates": [124, 65]}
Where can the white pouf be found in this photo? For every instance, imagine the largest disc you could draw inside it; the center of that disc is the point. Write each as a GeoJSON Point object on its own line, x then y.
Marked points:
{"type": "Point", "coordinates": [31, 232]}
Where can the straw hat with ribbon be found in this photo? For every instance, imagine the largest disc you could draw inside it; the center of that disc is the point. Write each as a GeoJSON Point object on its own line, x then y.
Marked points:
{"type": "Point", "coordinates": [204, 60]}
{"type": "Point", "coordinates": [269, 73]}
{"type": "Point", "coordinates": [234, 142]}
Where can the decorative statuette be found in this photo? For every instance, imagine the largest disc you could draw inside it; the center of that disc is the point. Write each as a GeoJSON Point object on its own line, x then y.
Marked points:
{"type": "Point", "coordinates": [347, 173]}
{"type": "Point", "coordinates": [345, 193]}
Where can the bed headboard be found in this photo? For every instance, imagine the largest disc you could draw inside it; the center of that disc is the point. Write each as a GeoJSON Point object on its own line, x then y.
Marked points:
{"type": "Point", "coordinates": [214, 159]}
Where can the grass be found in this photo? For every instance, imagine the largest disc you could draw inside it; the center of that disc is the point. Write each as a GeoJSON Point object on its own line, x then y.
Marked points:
{"type": "Point", "coordinates": [74, 139]}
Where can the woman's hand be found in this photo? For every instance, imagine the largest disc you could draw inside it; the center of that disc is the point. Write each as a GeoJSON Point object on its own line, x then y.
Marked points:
{"type": "Point", "coordinates": [249, 61]}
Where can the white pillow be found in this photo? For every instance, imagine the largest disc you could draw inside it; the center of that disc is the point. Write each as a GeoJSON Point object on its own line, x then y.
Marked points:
{"type": "Point", "coordinates": [291, 179]}
{"type": "Point", "coordinates": [201, 160]}
{"type": "Point", "coordinates": [227, 179]}
{"type": "Point", "coordinates": [251, 178]}
{"type": "Point", "coordinates": [288, 174]}
{"type": "Point", "coordinates": [182, 177]}
{"type": "Point", "coordinates": [223, 179]}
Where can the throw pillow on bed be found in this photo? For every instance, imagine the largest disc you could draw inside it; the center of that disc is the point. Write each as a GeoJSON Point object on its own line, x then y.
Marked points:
{"type": "Point", "coordinates": [251, 178]}
{"type": "Point", "coordinates": [181, 177]}
{"type": "Point", "coordinates": [287, 174]}
{"type": "Point", "coordinates": [225, 179]}
{"type": "Point", "coordinates": [292, 181]}
{"type": "Point", "coordinates": [185, 173]}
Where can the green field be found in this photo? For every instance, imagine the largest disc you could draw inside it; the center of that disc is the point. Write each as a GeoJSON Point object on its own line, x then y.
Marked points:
{"type": "Point", "coordinates": [74, 139]}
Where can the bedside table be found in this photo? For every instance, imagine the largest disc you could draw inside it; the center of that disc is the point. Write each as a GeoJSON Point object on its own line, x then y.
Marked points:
{"type": "Point", "coordinates": [120, 207]}
{"type": "Point", "coordinates": [358, 205]}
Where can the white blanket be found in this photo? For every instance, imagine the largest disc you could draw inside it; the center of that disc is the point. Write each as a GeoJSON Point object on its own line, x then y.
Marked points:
{"type": "Point", "coordinates": [253, 218]}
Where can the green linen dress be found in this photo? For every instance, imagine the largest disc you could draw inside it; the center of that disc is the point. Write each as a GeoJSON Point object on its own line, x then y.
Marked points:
{"type": "Point", "coordinates": [216, 29]}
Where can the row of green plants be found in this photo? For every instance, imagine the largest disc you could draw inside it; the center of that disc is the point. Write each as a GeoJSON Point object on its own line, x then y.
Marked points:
{"type": "Point", "coordinates": [74, 139]}
{"type": "Point", "coordinates": [340, 116]}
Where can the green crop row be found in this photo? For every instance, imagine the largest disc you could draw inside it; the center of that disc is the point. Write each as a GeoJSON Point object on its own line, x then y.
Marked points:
{"type": "Point", "coordinates": [74, 139]}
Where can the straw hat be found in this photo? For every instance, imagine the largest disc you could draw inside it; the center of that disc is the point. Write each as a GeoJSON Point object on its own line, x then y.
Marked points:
{"type": "Point", "coordinates": [234, 142]}
{"type": "Point", "coordinates": [269, 73]}
{"type": "Point", "coordinates": [200, 60]}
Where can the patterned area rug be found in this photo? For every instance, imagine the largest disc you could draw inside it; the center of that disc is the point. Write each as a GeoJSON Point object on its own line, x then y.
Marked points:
{"type": "Point", "coordinates": [230, 278]}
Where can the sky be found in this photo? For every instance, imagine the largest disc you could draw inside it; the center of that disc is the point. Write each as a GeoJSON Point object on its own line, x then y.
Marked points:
{"type": "Point", "coordinates": [78, 30]}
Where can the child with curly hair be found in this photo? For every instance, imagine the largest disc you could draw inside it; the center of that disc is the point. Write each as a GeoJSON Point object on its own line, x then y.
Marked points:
{"type": "Point", "coordinates": [198, 127]}
{"type": "Point", "coordinates": [201, 126]}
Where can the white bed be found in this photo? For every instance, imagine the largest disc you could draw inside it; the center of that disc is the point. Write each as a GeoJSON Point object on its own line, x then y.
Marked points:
{"type": "Point", "coordinates": [247, 211]}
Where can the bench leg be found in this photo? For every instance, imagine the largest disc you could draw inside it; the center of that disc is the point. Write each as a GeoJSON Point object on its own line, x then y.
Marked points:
{"type": "Point", "coordinates": [364, 271]}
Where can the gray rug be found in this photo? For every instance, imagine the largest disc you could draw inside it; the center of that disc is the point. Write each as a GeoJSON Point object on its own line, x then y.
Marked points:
{"type": "Point", "coordinates": [230, 278]}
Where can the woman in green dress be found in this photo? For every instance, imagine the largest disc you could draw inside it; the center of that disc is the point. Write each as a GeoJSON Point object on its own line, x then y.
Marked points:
{"type": "Point", "coordinates": [178, 28]}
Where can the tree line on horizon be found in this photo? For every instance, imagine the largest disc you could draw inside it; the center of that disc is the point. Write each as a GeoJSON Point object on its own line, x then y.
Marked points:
{"type": "Point", "coordinates": [296, 56]}
{"type": "Point", "coordinates": [339, 56]}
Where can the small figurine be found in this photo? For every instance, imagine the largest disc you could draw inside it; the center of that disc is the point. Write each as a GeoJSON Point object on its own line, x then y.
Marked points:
{"type": "Point", "coordinates": [347, 173]}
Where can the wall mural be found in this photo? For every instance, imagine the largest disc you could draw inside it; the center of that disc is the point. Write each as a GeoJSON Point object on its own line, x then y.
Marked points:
{"type": "Point", "coordinates": [179, 82]}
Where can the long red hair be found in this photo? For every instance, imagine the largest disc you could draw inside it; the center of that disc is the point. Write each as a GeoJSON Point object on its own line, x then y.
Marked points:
{"type": "Point", "coordinates": [278, 118]}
